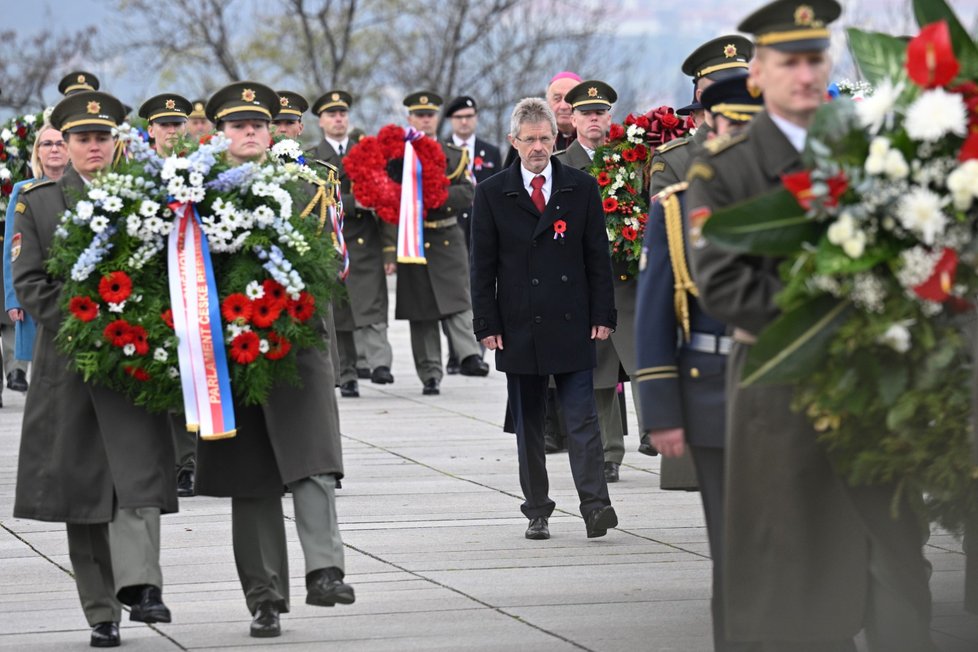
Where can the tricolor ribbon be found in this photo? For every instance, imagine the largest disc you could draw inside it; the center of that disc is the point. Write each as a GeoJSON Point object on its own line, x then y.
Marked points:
{"type": "Point", "coordinates": [196, 306]}
{"type": "Point", "coordinates": [410, 228]}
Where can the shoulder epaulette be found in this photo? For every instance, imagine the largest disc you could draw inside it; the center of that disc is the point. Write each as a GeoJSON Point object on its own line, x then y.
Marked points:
{"type": "Point", "coordinates": [672, 144]}
{"type": "Point", "coordinates": [463, 163]}
{"type": "Point", "coordinates": [30, 187]}
{"type": "Point", "coordinates": [721, 143]}
{"type": "Point", "coordinates": [669, 191]}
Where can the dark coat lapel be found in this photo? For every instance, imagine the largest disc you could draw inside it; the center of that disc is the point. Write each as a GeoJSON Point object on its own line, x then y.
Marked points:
{"type": "Point", "coordinates": [780, 156]}
{"type": "Point", "coordinates": [514, 188]}
{"type": "Point", "coordinates": [560, 183]}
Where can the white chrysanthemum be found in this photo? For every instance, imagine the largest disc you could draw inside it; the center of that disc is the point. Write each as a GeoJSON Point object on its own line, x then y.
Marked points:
{"type": "Point", "coordinates": [920, 211]}
{"type": "Point", "coordinates": [876, 111]}
{"type": "Point", "coordinates": [4, 173]}
{"type": "Point", "coordinates": [173, 372]}
{"type": "Point", "coordinates": [112, 204]}
{"type": "Point", "coordinates": [263, 346]}
{"type": "Point", "coordinates": [30, 119]}
{"type": "Point", "coordinates": [6, 135]}
{"type": "Point", "coordinates": [148, 208]}
{"type": "Point", "coordinates": [856, 245]}
{"type": "Point", "coordinates": [896, 166]}
{"type": "Point", "coordinates": [196, 179]}
{"type": "Point", "coordinates": [963, 184]}
{"type": "Point", "coordinates": [129, 349]}
{"type": "Point", "coordinates": [254, 290]}
{"type": "Point", "coordinates": [117, 307]}
{"type": "Point", "coordinates": [84, 210]}
{"type": "Point", "coordinates": [897, 337]}
{"type": "Point", "coordinates": [99, 223]}
{"type": "Point", "coordinates": [287, 148]}
{"type": "Point", "coordinates": [160, 355]}
{"type": "Point", "coordinates": [842, 229]}
{"type": "Point", "coordinates": [936, 114]}
{"type": "Point", "coordinates": [98, 194]}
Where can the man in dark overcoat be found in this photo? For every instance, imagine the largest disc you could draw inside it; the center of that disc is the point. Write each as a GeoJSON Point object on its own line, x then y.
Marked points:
{"type": "Point", "coordinates": [809, 561]}
{"type": "Point", "coordinates": [542, 294]}
{"type": "Point", "coordinates": [293, 438]}
{"type": "Point", "coordinates": [361, 316]}
{"type": "Point", "coordinates": [88, 456]}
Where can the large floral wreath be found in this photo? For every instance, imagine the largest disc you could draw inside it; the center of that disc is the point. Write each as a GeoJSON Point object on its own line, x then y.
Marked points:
{"type": "Point", "coordinates": [620, 169]}
{"type": "Point", "coordinates": [16, 144]}
{"type": "Point", "coordinates": [275, 270]}
{"type": "Point", "coordinates": [374, 168]}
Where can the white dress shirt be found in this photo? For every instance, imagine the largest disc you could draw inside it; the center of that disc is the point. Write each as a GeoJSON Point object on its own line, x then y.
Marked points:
{"type": "Point", "coordinates": [796, 135]}
{"type": "Point", "coordinates": [547, 175]}
{"type": "Point", "coordinates": [337, 144]}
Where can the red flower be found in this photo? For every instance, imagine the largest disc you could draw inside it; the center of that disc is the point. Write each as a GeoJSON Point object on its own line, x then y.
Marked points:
{"type": "Point", "coordinates": [560, 227]}
{"type": "Point", "coordinates": [275, 292]}
{"type": "Point", "coordinates": [642, 122]}
{"type": "Point", "coordinates": [938, 286]}
{"type": "Point", "coordinates": [119, 333]}
{"type": "Point", "coordinates": [83, 308]}
{"type": "Point", "coordinates": [629, 155]}
{"type": "Point", "coordinates": [610, 205]}
{"type": "Point", "coordinates": [641, 152]}
{"type": "Point", "coordinates": [799, 184]}
{"type": "Point", "coordinates": [304, 308]}
{"type": "Point", "coordinates": [838, 185]}
{"type": "Point", "coordinates": [970, 148]}
{"type": "Point", "coordinates": [265, 311]}
{"type": "Point", "coordinates": [21, 131]}
{"type": "Point", "coordinates": [278, 346]}
{"type": "Point", "coordinates": [617, 132]}
{"type": "Point", "coordinates": [6, 187]}
{"type": "Point", "coordinates": [603, 179]}
{"type": "Point", "coordinates": [237, 308]}
{"type": "Point", "coordinates": [206, 138]}
{"type": "Point", "coordinates": [138, 373]}
{"type": "Point", "coordinates": [115, 288]}
{"type": "Point", "coordinates": [244, 348]}
{"type": "Point", "coordinates": [629, 233]}
{"type": "Point", "coordinates": [930, 58]}
{"type": "Point", "coordinates": [477, 163]}
{"type": "Point", "coordinates": [167, 317]}
{"type": "Point", "coordinates": [138, 336]}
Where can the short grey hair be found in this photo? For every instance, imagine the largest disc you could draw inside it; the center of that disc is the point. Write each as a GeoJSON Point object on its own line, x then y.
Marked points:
{"type": "Point", "coordinates": [531, 109]}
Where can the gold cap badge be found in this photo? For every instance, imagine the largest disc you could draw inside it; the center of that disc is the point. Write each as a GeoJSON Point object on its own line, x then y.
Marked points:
{"type": "Point", "coordinates": [93, 107]}
{"type": "Point", "coordinates": [170, 105]}
{"type": "Point", "coordinates": [592, 92]}
{"type": "Point", "coordinates": [804, 15]}
{"type": "Point", "coordinates": [423, 99]}
{"type": "Point", "coordinates": [284, 101]}
{"type": "Point", "coordinates": [81, 79]}
{"type": "Point", "coordinates": [198, 106]}
{"type": "Point", "coordinates": [730, 51]}
{"type": "Point", "coordinates": [248, 95]}
{"type": "Point", "coordinates": [335, 97]}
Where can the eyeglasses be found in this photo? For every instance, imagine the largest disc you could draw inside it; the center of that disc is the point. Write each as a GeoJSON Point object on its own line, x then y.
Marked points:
{"type": "Point", "coordinates": [470, 116]}
{"type": "Point", "coordinates": [546, 141]}
{"type": "Point", "coordinates": [48, 144]}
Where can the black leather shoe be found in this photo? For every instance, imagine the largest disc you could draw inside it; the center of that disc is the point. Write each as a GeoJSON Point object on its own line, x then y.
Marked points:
{"type": "Point", "coordinates": [645, 447]}
{"type": "Point", "coordinates": [106, 635]}
{"type": "Point", "coordinates": [599, 520]}
{"type": "Point", "coordinates": [185, 481]}
{"type": "Point", "coordinates": [150, 607]}
{"type": "Point", "coordinates": [363, 373]}
{"type": "Point", "coordinates": [17, 380]}
{"type": "Point", "coordinates": [381, 376]}
{"type": "Point", "coordinates": [611, 471]}
{"type": "Point", "coordinates": [325, 588]}
{"type": "Point", "coordinates": [349, 389]}
{"type": "Point", "coordinates": [265, 624]}
{"type": "Point", "coordinates": [431, 387]}
{"type": "Point", "coordinates": [474, 366]}
{"type": "Point", "coordinates": [539, 529]}
{"type": "Point", "coordinates": [452, 367]}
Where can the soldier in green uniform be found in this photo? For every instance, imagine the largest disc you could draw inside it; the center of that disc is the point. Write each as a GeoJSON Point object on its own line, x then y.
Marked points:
{"type": "Point", "coordinates": [198, 125]}
{"type": "Point", "coordinates": [439, 290]}
{"type": "Point", "coordinates": [361, 317]}
{"type": "Point", "coordinates": [166, 115]}
{"type": "Point", "coordinates": [591, 103]}
{"type": "Point", "coordinates": [88, 457]}
{"type": "Point", "coordinates": [78, 81]}
{"type": "Point", "coordinates": [808, 560]}
{"type": "Point", "coordinates": [287, 122]}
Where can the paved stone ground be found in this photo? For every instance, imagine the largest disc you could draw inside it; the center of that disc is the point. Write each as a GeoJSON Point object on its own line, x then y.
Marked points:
{"type": "Point", "coordinates": [430, 517]}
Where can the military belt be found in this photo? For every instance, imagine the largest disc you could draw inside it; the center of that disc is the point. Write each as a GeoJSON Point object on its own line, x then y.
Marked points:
{"type": "Point", "coordinates": [441, 224]}
{"type": "Point", "coordinates": [708, 343]}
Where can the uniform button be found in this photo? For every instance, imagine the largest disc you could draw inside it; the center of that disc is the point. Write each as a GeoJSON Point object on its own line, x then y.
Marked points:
{"type": "Point", "coordinates": [447, 243]}
{"type": "Point", "coordinates": [567, 316]}
{"type": "Point", "coordinates": [427, 245]}
{"type": "Point", "coordinates": [538, 319]}
{"type": "Point", "coordinates": [563, 277]}
{"type": "Point", "coordinates": [359, 240]}
{"type": "Point", "coordinates": [448, 210]}
{"type": "Point", "coordinates": [465, 214]}
{"type": "Point", "coordinates": [533, 244]}
{"type": "Point", "coordinates": [624, 277]}
{"type": "Point", "coordinates": [535, 282]}
{"type": "Point", "coordinates": [694, 373]}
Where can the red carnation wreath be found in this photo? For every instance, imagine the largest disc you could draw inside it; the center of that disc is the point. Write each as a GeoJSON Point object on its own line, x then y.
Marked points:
{"type": "Point", "coordinates": [374, 165]}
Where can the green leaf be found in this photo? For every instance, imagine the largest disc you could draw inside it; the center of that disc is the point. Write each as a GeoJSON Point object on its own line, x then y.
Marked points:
{"type": "Point", "coordinates": [879, 56]}
{"type": "Point", "coordinates": [965, 48]}
{"type": "Point", "coordinates": [892, 384]}
{"type": "Point", "coordinates": [794, 344]}
{"type": "Point", "coordinates": [772, 224]}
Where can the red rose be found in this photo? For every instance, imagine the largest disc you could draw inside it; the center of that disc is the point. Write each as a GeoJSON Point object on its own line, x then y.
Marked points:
{"type": "Point", "coordinates": [278, 346]}
{"type": "Point", "coordinates": [610, 205]}
{"type": "Point", "coordinates": [245, 348]}
{"type": "Point", "coordinates": [629, 233]}
{"type": "Point", "coordinates": [265, 311]}
{"type": "Point", "coordinates": [115, 288]}
{"type": "Point", "coordinates": [641, 152]}
{"type": "Point", "coordinates": [930, 58]}
{"type": "Point", "coordinates": [629, 155]}
{"type": "Point", "coordinates": [617, 132]}
{"type": "Point", "coordinates": [83, 308]}
{"type": "Point", "coordinates": [629, 120]}
{"type": "Point", "coordinates": [138, 335]}
{"type": "Point", "coordinates": [6, 187]}
{"type": "Point", "coordinates": [275, 292]}
{"type": "Point", "coordinates": [138, 373]}
{"type": "Point", "coordinates": [167, 317]}
{"type": "Point", "coordinates": [304, 308]}
{"type": "Point", "coordinates": [21, 131]}
{"type": "Point", "coordinates": [237, 308]}
{"type": "Point", "coordinates": [938, 286]}
{"type": "Point", "coordinates": [603, 179]}
{"type": "Point", "coordinates": [118, 333]}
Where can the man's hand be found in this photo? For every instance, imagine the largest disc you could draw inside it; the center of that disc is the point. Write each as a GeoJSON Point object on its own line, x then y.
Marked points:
{"type": "Point", "coordinates": [16, 314]}
{"type": "Point", "coordinates": [671, 442]}
{"type": "Point", "coordinates": [600, 332]}
{"type": "Point", "coordinates": [390, 268]}
{"type": "Point", "coordinates": [493, 342]}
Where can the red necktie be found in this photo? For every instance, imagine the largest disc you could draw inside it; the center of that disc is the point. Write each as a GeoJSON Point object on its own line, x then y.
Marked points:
{"type": "Point", "coordinates": [537, 196]}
